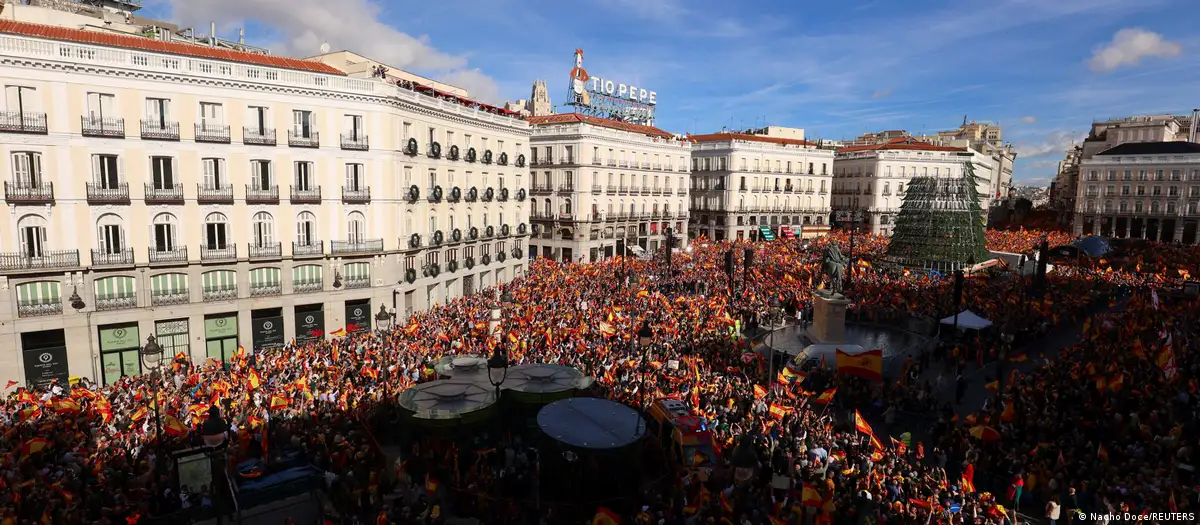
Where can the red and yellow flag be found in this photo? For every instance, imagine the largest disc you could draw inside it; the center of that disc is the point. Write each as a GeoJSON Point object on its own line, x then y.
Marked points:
{"type": "Point", "coordinates": [826, 397]}
{"type": "Point", "coordinates": [606, 517]}
{"type": "Point", "coordinates": [867, 365]}
{"type": "Point", "coordinates": [861, 425]}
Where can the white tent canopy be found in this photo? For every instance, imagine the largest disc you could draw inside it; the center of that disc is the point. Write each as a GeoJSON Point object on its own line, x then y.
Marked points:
{"type": "Point", "coordinates": [968, 320]}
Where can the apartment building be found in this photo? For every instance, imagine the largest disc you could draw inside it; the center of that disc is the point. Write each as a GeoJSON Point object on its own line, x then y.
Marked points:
{"type": "Point", "coordinates": [217, 198]}
{"type": "Point", "coordinates": [1141, 190]}
{"type": "Point", "coordinates": [600, 186]}
{"type": "Point", "coordinates": [869, 180]}
{"type": "Point", "coordinates": [743, 183]}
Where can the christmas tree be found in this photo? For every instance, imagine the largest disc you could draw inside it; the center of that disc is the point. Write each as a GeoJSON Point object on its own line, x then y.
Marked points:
{"type": "Point", "coordinates": [940, 224]}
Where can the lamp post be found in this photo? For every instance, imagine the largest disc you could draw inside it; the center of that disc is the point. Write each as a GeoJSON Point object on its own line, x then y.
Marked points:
{"type": "Point", "coordinates": [151, 355]}
{"type": "Point", "coordinates": [381, 319]}
{"type": "Point", "coordinates": [774, 321]}
{"type": "Point", "coordinates": [497, 366]}
{"type": "Point", "coordinates": [1007, 337]}
{"type": "Point", "coordinates": [744, 460]}
{"type": "Point", "coordinates": [76, 301]}
{"type": "Point", "coordinates": [645, 337]}
{"type": "Point", "coordinates": [337, 279]}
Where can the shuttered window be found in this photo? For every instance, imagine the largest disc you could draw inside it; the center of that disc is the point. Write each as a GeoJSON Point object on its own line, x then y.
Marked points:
{"type": "Point", "coordinates": [220, 280]}
{"type": "Point", "coordinates": [118, 287]}
{"type": "Point", "coordinates": [169, 284]}
{"type": "Point", "coordinates": [40, 292]}
{"type": "Point", "coordinates": [265, 277]}
{"type": "Point", "coordinates": [308, 273]}
{"type": "Point", "coordinates": [358, 273]}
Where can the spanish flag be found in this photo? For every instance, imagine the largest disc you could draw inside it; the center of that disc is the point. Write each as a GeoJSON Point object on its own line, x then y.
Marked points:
{"type": "Point", "coordinates": [861, 425]}
{"type": "Point", "coordinates": [278, 402]}
{"type": "Point", "coordinates": [254, 380]}
{"type": "Point", "coordinates": [867, 365]}
{"type": "Point", "coordinates": [968, 486]}
{"type": "Point", "coordinates": [340, 332]}
{"type": "Point", "coordinates": [759, 392]}
{"type": "Point", "coordinates": [174, 427]}
{"type": "Point", "coordinates": [826, 397]}
{"type": "Point", "coordinates": [1009, 413]}
{"type": "Point", "coordinates": [431, 485]}
{"type": "Point", "coordinates": [778, 411]}
{"type": "Point", "coordinates": [65, 407]}
{"type": "Point", "coordinates": [606, 517]}
{"type": "Point", "coordinates": [809, 497]}
{"type": "Point", "coordinates": [698, 458]}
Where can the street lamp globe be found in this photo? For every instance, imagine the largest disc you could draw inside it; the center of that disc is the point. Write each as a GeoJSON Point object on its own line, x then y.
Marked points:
{"type": "Point", "coordinates": [152, 353]}
{"type": "Point", "coordinates": [645, 335]}
{"type": "Point", "coordinates": [383, 317]}
{"type": "Point", "coordinates": [497, 367]}
{"type": "Point", "coordinates": [744, 460]}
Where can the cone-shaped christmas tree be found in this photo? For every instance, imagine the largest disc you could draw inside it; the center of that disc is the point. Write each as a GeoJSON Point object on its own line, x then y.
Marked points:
{"type": "Point", "coordinates": [940, 224]}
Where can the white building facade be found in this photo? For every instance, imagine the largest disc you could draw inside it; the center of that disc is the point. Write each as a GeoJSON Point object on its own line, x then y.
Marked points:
{"type": "Point", "coordinates": [214, 198]}
{"type": "Point", "coordinates": [744, 182]}
{"type": "Point", "coordinates": [869, 181]}
{"type": "Point", "coordinates": [1147, 190]}
{"type": "Point", "coordinates": [599, 186]}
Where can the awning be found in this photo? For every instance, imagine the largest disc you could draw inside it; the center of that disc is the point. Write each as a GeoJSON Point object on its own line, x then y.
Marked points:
{"type": "Point", "coordinates": [968, 320]}
{"type": "Point", "coordinates": [307, 273]}
{"type": "Point", "coordinates": [220, 280]}
{"type": "Point", "coordinates": [119, 286]}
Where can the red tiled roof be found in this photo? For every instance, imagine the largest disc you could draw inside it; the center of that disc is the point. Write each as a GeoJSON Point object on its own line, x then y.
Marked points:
{"type": "Point", "coordinates": [723, 136]}
{"type": "Point", "coordinates": [148, 44]}
{"type": "Point", "coordinates": [566, 118]}
{"type": "Point", "coordinates": [903, 143]}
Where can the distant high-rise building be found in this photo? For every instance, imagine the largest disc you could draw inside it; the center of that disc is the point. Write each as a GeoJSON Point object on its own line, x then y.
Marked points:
{"type": "Point", "coordinates": [539, 100]}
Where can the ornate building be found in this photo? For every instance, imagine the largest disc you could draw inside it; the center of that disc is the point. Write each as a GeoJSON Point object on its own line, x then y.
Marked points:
{"type": "Point", "coordinates": [1141, 190]}
{"type": "Point", "coordinates": [217, 198]}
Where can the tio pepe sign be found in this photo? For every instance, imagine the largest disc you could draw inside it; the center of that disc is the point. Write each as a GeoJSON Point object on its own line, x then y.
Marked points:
{"type": "Point", "coordinates": [629, 92]}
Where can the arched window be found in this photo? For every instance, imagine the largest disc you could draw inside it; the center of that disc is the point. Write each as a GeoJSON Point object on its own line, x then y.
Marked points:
{"type": "Point", "coordinates": [1192, 207]}
{"type": "Point", "coordinates": [470, 219]}
{"type": "Point", "coordinates": [263, 233]}
{"type": "Point", "coordinates": [306, 229]}
{"type": "Point", "coordinates": [1123, 207]}
{"type": "Point", "coordinates": [1171, 208]}
{"type": "Point", "coordinates": [1155, 207]}
{"type": "Point", "coordinates": [546, 209]}
{"type": "Point", "coordinates": [33, 235]}
{"type": "Point", "coordinates": [110, 235]}
{"type": "Point", "coordinates": [216, 231]}
{"type": "Point", "coordinates": [566, 206]}
{"type": "Point", "coordinates": [165, 232]}
{"type": "Point", "coordinates": [1138, 207]}
{"type": "Point", "coordinates": [533, 205]}
{"type": "Point", "coordinates": [1108, 206]}
{"type": "Point", "coordinates": [1091, 206]}
{"type": "Point", "coordinates": [356, 227]}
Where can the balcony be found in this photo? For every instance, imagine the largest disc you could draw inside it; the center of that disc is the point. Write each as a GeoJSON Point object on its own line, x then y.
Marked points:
{"type": "Point", "coordinates": [45, 260]}
{"type": "Point", "coordinates": [100, 194]}
{"type": "Point", "coordinates": [356, 195]}
{"type": "Point", "coordinates": [355, 142]}
{"type": "Point", "coordinates": [622, 164]}
{"type": "Point", "coordinates": [23, 122]}
{"type": "Point", "coordinates": [39, 307]}
{"type": "Point", "coordinates": [356, 247]}
{"type": "Point", "coordinates": [265, 289]}
{"type": "Point", "coordinates": [168, 298]}
{"type": "Point", "coordinates": [116, 303]}
{"type": "Point", "coordinates": [178, 255]}
{"type": "Point", "coordinates": [610, 189]}
{"type": "Point", "coordinates": [596, 188]}
{"type": "Point", "coordinates": [214, 194]}
{"type": "Point", "coordinates": [566, 217]}
{"type": "Point", "coordinates": [541, 189]}
{"type": "Point", "coordinates": [682, 191]}
{"type": "Point", "coordinates": [159, 130]}
{"type": "Point", "coordinates": [259, 195]}
{"type": "Point", "coordinates": [220, 293]}
{"type": "Point", "coordinates": [258, 136]}
{"type": "Point", "coordinates": [308, 286]}
{"type": "Point", "coordinates": [623, 190]}
{"type": "Point", "coordinates": [658, 166]}
{"type": "Point", "coordinates": [215, 133]}
{"type": "Point", "coordinates": [644, 191]}
{"type": "Point", "coordinates": [112, 258]}
{"type": "Point", "coordinates": [106, 127]}
{"type": "Point", "coordinates": [566, 188]}
{"type": "Point", "coordinates": [304, 139]}
{"type": "Point", "coordinates": [306, 195]}
{"type": "Point", "coordinates": [218, 254]}
{"type": "Point", "coordinates": [310, 249]}
{"type": "Point", "coordinates": [164, 195]}
{"type": "Point", "coordinates": [597, 162]}
{"type": "Point", "coordinates": [356, 282]}
{"type": "Point", "coordinates": [266, 251]}
{"type": "Point", "coordinates": [25, 193]}
{"type": "Point", "coordinates": [611, 163]}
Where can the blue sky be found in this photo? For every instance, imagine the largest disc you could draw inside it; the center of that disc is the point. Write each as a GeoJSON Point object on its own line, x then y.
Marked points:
{"type": "Point", "coordinates": [1044, 69]}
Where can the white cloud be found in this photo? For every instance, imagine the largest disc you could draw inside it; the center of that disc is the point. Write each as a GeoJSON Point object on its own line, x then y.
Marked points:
{"type": "Point", "coordinates": [1054, 143]}
{"type": "Point", "coordinates": [882, 93]}
{"type": "Point", "coordinates": [480, 86]}
{"type": "Point", "coordinates": [1043, 163]}
{"type": "Point", "coordinates": [1029, 119]}
{"type": "Point", "coordinates": [1130, 46]}
{"type": "Point", "coordinates": [355, 25]}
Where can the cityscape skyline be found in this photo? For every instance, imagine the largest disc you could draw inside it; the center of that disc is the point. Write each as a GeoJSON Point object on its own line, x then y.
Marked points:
{"type": "Point", "coordinates": [1042, 70]}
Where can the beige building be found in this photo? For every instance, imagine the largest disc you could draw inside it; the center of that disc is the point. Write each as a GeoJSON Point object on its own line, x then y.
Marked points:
{"type": "Point", "coordinates": [743, 183]}
{"type": "Point", "coordinates": [600, 185]}
{"type": "Point", "coordinates": [1141, 190]}
{"type": "Point", "coordinates": [216, 198]}
{"type": "Point", "coordinates": [869, 180]}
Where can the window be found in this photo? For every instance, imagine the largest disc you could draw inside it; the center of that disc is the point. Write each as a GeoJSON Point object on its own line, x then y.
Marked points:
{"type": "Point", "coordinates": [110, 235]}
{"type": "Point", "coordinates": [106, 172]}
{"type": "Point", "coordinates": [214, 174]}
{"type": "Point", "coordinates": [1127, 175]}
{"type": "Point", "coordinates": [100, 105]}
{"type": "Point", "coordinates": [261, 177]}
{"type": "Point", "coordinates": [162, 171]}
{"type": "Point", "coordinates": [21, 100]}
{"type": "Point", "coordinates": [570, 154]}
{"type": "Point", "coordinates": [356, 226]}
{"type": "Point", "coordinates": [216, 231]}
{"type": "Point", "coordinates": [263, 230]}
{"type": "Point", "coordinates": [158, 112]}
{"type": "Point", "coordinates": [27, 169]}
{"type": "Point", "coordinates": [406, 128]}
{"type": "Point", "coordinates": [257, 119]}
{"type": "Point", "coordinates": [303, 123]}
{"type": "Point", "coordinates": [165, 232]}
{"type": "Point", "coordinates": [407, 177]}
{"type": "Point", "coordinates": [432, 180]}
{"type": "Point", "coordinates": [33, 235]}
{"type": "Point", "coordinates": [306, 229]}
{"type": "Point", "coordinates": [354, 126]}
{"type": "Point", "coordinates": [212, 115]}
{"type": "Point", "coordinates": [355, 180]}
{"type": "Point", "coordinates": [304, 176]}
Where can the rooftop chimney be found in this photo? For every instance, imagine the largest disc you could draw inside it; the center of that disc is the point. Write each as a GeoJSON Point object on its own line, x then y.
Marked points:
{"type": "Point", "coordinates": [212, 34]}
{"type": "Point", "coordinates": [1192, 131]}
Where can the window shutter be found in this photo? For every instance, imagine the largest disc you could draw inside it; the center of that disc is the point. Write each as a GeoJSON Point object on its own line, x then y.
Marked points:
{"type": "Point", "coordinates": [97, 174]}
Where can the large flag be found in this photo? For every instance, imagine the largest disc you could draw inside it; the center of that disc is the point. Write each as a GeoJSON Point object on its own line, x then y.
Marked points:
{"type": "Point", "coordinates": [809, 497]}
{"type": "Point", "coordinates": [867, 365]}
{"type": "Point", "coordinates": [606, 517]}
{"type": "Point", "coordinates": [174, 427]}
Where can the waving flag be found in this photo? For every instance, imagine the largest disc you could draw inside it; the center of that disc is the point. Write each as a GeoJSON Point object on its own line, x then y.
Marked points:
{"type": "Point", "coordinates": [340, 332]}
{"type": "Point", "coordinates": [826, 397]}
{"type": "Point", "coordinates": [861, 425]}
{"type": "Point", "coordinates": [254, 380]}
{"type": "Point", "coordinates": [174, 427]}
{"type": "Point", "coordinates": [867, 365]}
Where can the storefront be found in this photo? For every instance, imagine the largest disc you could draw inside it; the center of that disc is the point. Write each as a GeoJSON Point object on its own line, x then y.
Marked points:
{"type": "Point", "coordinates": [267, 324]}
{"type": "Point", "coordinates": [310, 322]}
{"type": "Point", "coordinates": [45, 356]}
{"type": "Point", "coordinates": [119, 351]}
{"type": "Point", "coordinates": [220, 336]}
{"type": "Point", "coordinates": [358, 315]}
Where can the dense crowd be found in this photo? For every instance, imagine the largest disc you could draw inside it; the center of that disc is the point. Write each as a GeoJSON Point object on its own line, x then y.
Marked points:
{"type": "Point", "coordinates": [1108, 425]}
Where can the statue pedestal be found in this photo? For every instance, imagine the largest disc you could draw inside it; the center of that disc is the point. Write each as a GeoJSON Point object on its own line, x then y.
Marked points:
{"type": "Point", "coordinates": [829, 318]}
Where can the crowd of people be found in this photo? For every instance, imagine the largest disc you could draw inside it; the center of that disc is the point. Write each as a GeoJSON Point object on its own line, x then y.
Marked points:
{"type": "Point", "coordinates": [1109, 424]}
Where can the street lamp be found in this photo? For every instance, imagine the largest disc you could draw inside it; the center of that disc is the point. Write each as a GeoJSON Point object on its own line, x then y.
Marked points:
{"type": "Point", "coordinates": [383, 318]}
{"type": "Point", "coordinates": [744, 460]}
{"type": "Point", "coordinates": [645, 336]}
{"type": "Point", "coordinates": [151, 355]}
{"type": "Point", "coordinates": [214, 429]}
{"type": "Point", "coordinates": [1007, 337]}
{"type": "Point", "coordinates": [337, 279]}
{"type": "Point", "coordinates": [774, 320]}
{"type": "Point", "coordinates": [76, 301]}
{"type": "Point", "coordinates": [497, 365]}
